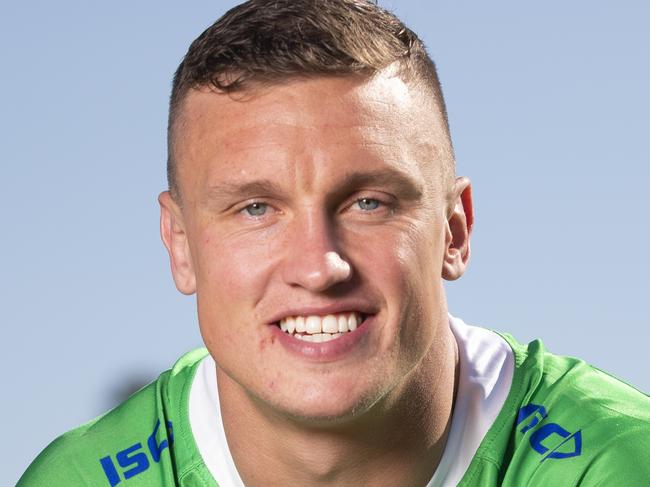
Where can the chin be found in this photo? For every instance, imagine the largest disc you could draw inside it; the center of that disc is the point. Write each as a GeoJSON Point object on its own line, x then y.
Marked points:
{"type": "Point", "coordinates": [325, 417]}
{"type": "Point", "coordinates": [323, 408]}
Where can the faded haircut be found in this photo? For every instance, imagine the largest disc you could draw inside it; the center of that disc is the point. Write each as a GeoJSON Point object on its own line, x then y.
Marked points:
{"type": "Point", "coordinates": [262, 42]}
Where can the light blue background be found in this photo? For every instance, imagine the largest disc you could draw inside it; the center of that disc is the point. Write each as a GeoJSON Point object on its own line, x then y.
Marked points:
{"type": "Point", "coordinates": [549, 110]}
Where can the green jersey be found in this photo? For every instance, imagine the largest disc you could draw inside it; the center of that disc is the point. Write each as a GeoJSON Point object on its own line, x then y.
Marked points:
{"type": "Point", "coordinates": [560, 422]}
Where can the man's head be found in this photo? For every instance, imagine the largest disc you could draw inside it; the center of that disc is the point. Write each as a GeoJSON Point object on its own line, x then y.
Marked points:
{"type": "Point", "coordinates": [318, 198]}
{"type": "Point", "coordinates": [262, 42]}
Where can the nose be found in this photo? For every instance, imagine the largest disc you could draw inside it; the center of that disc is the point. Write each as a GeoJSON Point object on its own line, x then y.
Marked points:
{"type": "Point", "coordinates": [312, 260]}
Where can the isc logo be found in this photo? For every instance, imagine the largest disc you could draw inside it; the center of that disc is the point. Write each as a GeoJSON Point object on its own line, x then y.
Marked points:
{"type": "Point", "coordinates": [550, 440]}
{"type": "Point", "coordinates": [134, 460]}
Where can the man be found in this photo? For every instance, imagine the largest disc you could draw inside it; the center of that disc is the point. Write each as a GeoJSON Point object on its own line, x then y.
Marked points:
{"type": "Point", "coordinates": [314, 210]}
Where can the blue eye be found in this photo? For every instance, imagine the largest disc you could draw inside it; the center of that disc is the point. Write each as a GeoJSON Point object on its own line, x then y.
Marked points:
{"type": "Point", "coordinates": [368, 204]}
{"type": "Point", "coordinates": [256, 209]}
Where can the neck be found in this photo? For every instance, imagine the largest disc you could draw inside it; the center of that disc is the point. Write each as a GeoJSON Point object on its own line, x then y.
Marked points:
{"type": "Point", "coordinates": [399, 441]}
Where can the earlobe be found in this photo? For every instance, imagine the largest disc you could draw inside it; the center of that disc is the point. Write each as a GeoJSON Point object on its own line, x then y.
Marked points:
{"type": "Point", "coordinates": [172, 232]}
{"type": "Point", "coordinates": [459, 226]}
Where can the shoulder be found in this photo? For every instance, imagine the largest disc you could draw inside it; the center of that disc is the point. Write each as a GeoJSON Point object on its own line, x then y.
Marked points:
{"type": "Point", "coordinates": [123, 443]}
{"type": "Point", "coordinates": [574, 389]}
{"type": "Point", "coordinates": [573, 422]}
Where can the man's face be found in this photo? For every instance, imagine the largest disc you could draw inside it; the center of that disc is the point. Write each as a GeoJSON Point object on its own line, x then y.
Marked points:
{"type": "Point", "coordinates": [313, 201]}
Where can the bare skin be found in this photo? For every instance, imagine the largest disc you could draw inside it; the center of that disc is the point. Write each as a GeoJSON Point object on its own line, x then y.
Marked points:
{"type": "Point", "coordinates": [319, 197]}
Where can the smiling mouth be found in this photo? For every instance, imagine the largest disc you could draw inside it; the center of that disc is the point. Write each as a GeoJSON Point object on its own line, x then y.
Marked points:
{"type": "Point", "coordinates": [314, 328]}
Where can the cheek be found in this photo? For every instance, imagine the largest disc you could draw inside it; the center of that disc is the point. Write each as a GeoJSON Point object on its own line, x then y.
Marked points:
{"type": "Point", "coordinates": [413, 288]}
{"type": "Point", "coordinates": [232, 276]}
{"type": "Point", "coordinates": [411, 260]}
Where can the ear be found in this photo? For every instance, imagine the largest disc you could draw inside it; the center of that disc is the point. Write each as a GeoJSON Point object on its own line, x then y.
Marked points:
{"type": "Point", "coordinates": [460, 218]}
{"type": "Point", "coordinates": [172, 231]}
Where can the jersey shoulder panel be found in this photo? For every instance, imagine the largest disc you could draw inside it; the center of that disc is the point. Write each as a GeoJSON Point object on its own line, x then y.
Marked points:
{"type": "Point", "coordinates": [576, 389]}
{"type": "Point", "coordinates": [134, 441]}
{"type": "Point", "coordinates": [623, 460]}
{"type": "Point", "coordinates": [564, 422]}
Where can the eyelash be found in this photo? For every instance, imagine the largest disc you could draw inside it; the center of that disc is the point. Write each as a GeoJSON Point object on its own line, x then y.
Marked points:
{"type": "Point", "coordinates": [256, 205]}
{"type": "Point", "coordinates": [359, 202]}
{"type": "Point", "coordinates": [253, 204]}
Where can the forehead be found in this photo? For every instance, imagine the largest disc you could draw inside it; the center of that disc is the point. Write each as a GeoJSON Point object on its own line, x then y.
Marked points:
{"type": "Point", "coordinates": [303, 127]}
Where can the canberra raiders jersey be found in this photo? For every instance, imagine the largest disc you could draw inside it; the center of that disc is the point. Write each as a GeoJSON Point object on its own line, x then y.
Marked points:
{"type": "Point", "coordinates": [522, 417]}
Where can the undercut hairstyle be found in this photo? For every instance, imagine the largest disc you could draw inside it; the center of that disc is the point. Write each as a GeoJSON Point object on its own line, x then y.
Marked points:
{"type": "Point", "coordinates": [264, 42]}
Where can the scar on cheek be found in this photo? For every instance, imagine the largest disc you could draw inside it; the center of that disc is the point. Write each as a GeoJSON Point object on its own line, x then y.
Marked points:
{"type": "Point", "coordinates": [266, 341]}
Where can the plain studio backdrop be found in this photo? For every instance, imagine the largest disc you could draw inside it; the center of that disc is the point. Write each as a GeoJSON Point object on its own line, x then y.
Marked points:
{"type": "Point", "coordinates": [548, 104]}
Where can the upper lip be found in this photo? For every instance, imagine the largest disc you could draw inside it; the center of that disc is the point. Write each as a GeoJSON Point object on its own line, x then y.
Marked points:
{"type": "Point", "coordinates": [325, 309]}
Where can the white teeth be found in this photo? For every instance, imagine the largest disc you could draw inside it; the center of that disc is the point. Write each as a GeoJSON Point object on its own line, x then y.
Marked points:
{"type": "Point", "coordinates": [315, 328]}
{"type": "Point", "coordinates": [343, 323]}
{"type": "Point", "coordinates": [330, 336]}
{"type": "Point", "coordinates": [330, 324]}
{"type": "Point", "coordinates": [300, 325]}
{"type": "Point", "coordinates": [313, 324]}
{"type": "Point", "coordinates": [352, 322]}
{"type": "Point", "coordinates": [291, 325]}
{"type": "Point", "coordinates": [319, 337]}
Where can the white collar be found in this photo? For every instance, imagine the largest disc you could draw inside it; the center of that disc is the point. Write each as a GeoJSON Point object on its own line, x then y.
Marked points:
{"type": "Point", "coordinates": [486, 369]}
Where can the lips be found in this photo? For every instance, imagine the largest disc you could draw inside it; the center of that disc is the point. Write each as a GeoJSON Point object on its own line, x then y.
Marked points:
{"type": "Point", "coordinates": [319, 328]}
{"type": "Point", "coordinates": [324, 347]}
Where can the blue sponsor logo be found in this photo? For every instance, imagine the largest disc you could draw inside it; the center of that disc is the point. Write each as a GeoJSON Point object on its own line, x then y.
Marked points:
{"type": "Point", "coordinates": [550, 439]}
{"type": "Point", "coordinates": [134, 460]}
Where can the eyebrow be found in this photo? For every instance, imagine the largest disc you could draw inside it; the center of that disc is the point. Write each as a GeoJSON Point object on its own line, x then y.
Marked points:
{"type": "Point", "coordinates": [400, 182]}
{"type": "Point", "coordinates": [232, 190]}
{"type": "Point", "coordinates": [406, 185]}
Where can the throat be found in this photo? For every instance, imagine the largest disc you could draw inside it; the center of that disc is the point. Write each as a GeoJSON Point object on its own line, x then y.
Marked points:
{"type": "Point", "coordinates": [391, 444]}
